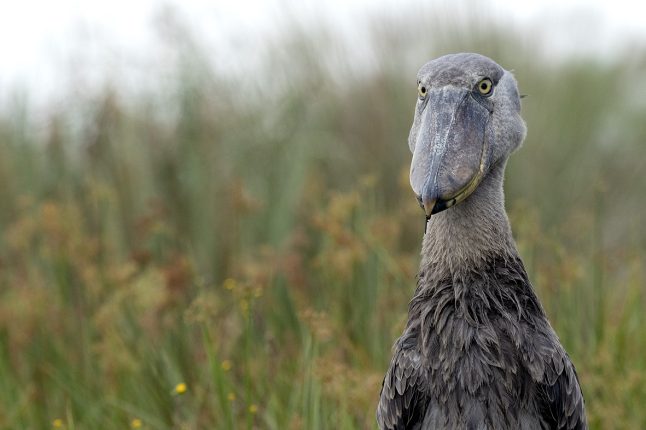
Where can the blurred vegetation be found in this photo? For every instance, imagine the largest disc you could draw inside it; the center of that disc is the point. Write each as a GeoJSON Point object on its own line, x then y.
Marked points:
{"type": "Point", "coordinates": [239, 252]}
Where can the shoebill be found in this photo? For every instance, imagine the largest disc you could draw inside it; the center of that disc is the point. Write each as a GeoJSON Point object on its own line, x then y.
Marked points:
{"type": "Point", "coordinates": [478, 351]}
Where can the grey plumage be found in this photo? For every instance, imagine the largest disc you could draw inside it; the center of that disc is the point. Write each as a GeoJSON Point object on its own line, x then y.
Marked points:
{"type": "Point", "coordinates": [478, 351]}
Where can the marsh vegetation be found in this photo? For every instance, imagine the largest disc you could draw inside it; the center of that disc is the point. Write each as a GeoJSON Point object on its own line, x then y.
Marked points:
{"type": "Point", "coordinates": [256, 240]}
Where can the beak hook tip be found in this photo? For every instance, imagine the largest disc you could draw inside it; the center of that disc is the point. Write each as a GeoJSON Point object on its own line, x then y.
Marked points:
{"type": "Point", "coordinates": [428, 211]}
{"type": "Point", "coordinates": [428, 207]}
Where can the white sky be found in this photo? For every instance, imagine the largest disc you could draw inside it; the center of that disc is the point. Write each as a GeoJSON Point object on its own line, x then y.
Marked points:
{"type": "Point", "coordinates": [41, 39]}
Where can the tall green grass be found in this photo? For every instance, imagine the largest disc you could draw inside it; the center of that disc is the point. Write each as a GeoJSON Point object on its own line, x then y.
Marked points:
{"type": "Point", "coordinates": [255, 238]}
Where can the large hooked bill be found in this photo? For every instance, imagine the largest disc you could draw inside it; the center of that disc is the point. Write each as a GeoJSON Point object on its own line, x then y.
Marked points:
{"type": "Point", "coordinates": [451, 152]}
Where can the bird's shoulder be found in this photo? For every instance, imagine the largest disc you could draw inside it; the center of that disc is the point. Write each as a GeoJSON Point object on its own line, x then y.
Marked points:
{"type": "Point", "coordinates": [559, 400]}
{"type": "Point", "coordinates": [402, 402]}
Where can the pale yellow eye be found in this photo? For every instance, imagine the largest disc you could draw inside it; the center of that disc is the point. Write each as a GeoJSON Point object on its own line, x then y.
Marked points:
{"type": "Point", "coordinates": [421, 89]}
{"type": "Point", "coordinates": [485, 86]}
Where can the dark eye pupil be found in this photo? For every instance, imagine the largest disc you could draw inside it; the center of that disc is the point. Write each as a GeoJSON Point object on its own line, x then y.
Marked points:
{"type": "Point", "coordinates": [484, 85]}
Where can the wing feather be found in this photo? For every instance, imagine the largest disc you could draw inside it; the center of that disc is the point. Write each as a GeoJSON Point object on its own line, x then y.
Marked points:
{"type": "Point", "coordinates": [561, 402]}
{"type": "Point", "coordinates": [402, 402]}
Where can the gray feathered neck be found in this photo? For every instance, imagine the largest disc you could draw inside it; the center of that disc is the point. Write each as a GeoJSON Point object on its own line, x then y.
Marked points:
{"type": "Point", "coordinates": [469, 258]}
{"type": "Point", "coordinates": [470, 233]}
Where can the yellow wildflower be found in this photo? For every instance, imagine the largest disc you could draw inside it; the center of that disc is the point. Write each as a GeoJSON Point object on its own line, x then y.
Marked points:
{"type": "Point", "coordinates": [231, 397]}
{"type": "Point", "coordinates": [226, 365]}
{"type": "Point", "coordinates": [180, 388]}
{"type": "Point", "coordinates": [135, 423]}
{"type": "Point", "coordinates": [230, 284]}
{"type": "Point", "coordinates": [253, 409]}
{"type": "Point", "coordinates": [57, 423]}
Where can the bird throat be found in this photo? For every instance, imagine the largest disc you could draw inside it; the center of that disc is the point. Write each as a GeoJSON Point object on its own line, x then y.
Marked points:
{"type": "Point", "coordinates": [471, 229]}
